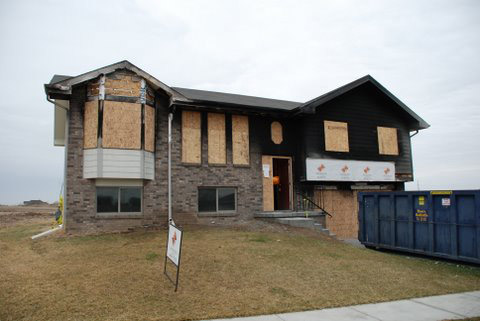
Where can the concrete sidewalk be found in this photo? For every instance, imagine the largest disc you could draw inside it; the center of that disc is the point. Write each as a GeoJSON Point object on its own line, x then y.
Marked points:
{"type": "Point", "coordinates": [441, 307]}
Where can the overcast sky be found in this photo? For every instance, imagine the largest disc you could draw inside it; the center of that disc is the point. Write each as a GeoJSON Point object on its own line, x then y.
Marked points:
{"type": "Point", "coordinates": [427, 53]}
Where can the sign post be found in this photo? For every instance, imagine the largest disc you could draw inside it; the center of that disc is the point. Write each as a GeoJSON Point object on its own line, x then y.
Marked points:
{"type": "Point", "coordinates": [173, 251]}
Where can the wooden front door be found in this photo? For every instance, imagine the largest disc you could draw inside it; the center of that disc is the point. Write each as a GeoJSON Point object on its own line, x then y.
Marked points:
{"type": "Point", "coordinates": [279, 197]}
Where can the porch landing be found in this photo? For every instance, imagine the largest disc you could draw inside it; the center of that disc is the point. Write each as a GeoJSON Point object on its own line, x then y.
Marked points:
{"type": "Point", "coordinates": [314, 220]}
{"type": "Point", "coordinates": [280, 214]}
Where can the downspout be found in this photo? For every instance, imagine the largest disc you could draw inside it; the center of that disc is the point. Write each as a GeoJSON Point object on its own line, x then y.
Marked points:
{"type": "Point", "coordinates": [170, 119]}
{"type": "Point", "coordinates": [64, 219]}
{"type": "Point", "coordinates": [411, 157]}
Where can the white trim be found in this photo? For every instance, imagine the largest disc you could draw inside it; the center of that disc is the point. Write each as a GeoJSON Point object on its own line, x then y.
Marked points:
{"type": "Point", "coordinates": [112, 182]}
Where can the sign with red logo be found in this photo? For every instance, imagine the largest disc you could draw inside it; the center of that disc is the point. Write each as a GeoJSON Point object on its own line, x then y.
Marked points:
{"type": "Point", "coordinates": [349, 170]}
{"type": "Point", "coordinates": [173, 245]}
{"type": "Point", "coordinates": [174, 251]}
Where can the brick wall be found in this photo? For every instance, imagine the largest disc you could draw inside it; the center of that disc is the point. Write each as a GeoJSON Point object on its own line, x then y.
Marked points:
{"type": "Point", "coordinates": [81, 199]}
{"type": "Point", "coordinates": [81, 196]}
{"type": "Point", "coordinates": [187, 178]}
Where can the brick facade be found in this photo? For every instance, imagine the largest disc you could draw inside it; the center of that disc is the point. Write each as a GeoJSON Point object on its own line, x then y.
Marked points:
{"type": "Point", "coordinates": [81, 193]}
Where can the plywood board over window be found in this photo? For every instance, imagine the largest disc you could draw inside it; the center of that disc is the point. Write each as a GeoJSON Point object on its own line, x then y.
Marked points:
{"type": "Point", "coordinates": [149, 128]}
{"type": "Point", "coordinates": [90, 124]}
{"type": "Point", "coordinates": [336, 136]}
{"type": "Point", "coordinates": [121, 125]}
{"type": "Point", "coordinates": [191, 137]}
{"type": "Point", "coordinates": [240, 140]}
{"type": "Point", "coordinates": [217, 153]}
{"type": "Point", "coordinates": [276, 132]}
{"type": "Point", "coordinates": [387, 141]}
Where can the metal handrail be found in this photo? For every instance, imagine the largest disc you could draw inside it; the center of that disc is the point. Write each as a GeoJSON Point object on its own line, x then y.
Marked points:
{"type": "Point", "coordinates": [305, 197]}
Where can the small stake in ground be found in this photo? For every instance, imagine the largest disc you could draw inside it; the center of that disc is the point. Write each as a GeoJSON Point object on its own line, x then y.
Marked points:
{"type": "Point", "coordinates": [174, 251]}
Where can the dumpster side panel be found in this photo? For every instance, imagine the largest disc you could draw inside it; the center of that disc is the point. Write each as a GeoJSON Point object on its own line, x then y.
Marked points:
{"type": "Point", "coordinates": [420, 205]}
{"type": "Point", "coordinates": [437, 223]}
{"type": "Point", "coordinates": [466, 225]}
{"type": "Point", "coordinates": [402, 215]}
{"type": "Point", "coordinates": [385, 216]}
{"type": "Point", "coordinates": [441, 221]}
{"type": "Point", "coordinates": [369, 210]}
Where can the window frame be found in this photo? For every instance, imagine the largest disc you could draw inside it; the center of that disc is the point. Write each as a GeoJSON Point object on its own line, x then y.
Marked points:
{"type": "Point", "coordinates": [217, 211]}
{"type": "Point", "coordinates": [119, 200]}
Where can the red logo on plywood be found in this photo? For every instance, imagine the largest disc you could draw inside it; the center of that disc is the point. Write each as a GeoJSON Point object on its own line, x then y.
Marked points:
{"type": "Point", "coordinates": [345, 169]}
{"type": "Point", "coordinates": [321, 167]}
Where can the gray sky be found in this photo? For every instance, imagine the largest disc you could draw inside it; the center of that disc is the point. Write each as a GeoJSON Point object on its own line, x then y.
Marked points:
{"type": "Point", "coordinates": [427, 53]}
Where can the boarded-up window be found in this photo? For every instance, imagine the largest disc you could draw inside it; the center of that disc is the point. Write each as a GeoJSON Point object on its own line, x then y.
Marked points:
{"type": "Point", "coordinates": [217, 153]}
{"type": "Point", "coordinates": [121, 125]}
{"type": "Point", "coordinates": [336, 136]}
{"type": "Point", "coordinates": [90, 124]}
{"type": "Point", "coordinates": [277, 132]}
{"type": "Point", "coordinates": [387, 141]}
{"type": "Point", "coordinates": [191, 137]}
{"type": "Point", "coordinates": [149, 128]}
{"type": "Point", "coordinates": [240, 140]}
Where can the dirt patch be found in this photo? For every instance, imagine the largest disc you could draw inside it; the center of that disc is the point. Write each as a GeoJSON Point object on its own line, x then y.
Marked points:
{"type": "Point", "coordinates": [15, 215]}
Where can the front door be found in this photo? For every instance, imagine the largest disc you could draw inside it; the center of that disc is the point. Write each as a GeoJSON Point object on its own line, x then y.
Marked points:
{"type": "Point", "coordinates": [277, 183]}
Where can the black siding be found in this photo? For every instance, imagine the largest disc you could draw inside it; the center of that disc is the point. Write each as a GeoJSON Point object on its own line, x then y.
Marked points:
{"type": "Point", "coordinates": [363, 108]}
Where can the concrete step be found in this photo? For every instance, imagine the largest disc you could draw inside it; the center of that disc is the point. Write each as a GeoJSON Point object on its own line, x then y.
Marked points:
{"type": "Point", "coordinates": [280, 214]}
{"type": "Point", "coordinates": [303, 222]}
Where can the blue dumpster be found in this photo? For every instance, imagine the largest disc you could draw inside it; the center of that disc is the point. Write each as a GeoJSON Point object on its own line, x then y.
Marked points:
{"type": "Point", "coordinates": [442, 224]}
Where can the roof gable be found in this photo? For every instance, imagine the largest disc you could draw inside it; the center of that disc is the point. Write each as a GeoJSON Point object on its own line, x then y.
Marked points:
{"type": "Point", "coordinates": [65, 83]}
{"type": "Point", "coordinates": [311, 105]}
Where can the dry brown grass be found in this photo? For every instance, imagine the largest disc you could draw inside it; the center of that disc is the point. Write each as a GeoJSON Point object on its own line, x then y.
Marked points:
{"type": "Point", "coordinates": [225, 273]}
{"type": "Point", "coordinates": [14, 215]}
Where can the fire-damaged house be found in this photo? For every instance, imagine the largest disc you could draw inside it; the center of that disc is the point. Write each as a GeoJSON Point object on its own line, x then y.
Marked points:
{"type": "Point", "coordinates": [233, 157]}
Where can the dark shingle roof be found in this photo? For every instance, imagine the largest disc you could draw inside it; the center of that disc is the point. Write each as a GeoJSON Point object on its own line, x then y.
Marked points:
{"type": "Point", "coordinates": [61, 84]}
{"type": "Point", "coordinates": [218, 97]}
{"type": "Point", "coordinates": [58, 78]}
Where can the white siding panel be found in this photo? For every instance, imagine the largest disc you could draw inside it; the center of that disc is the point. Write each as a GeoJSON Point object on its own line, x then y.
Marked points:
{"type": "Point", "coordinates": [118, 163]}
{"type": "Point", "coordinates": [90, 161]}
{"type": "Point", "coordinates": [149, 165]}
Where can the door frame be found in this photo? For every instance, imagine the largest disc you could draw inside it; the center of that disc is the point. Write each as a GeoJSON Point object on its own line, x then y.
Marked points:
{"type": "Point", "coordinates": [267, 195]}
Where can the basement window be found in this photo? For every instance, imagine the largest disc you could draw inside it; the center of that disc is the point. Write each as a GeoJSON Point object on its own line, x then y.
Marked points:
{"type": "Point", "coordinates": [217, 199]}
{"type": "Point", "coordinates": [119, 199]}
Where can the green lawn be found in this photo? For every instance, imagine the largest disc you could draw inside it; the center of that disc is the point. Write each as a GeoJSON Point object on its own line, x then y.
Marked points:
{"type": "Point", "coordinates": [225, 273]}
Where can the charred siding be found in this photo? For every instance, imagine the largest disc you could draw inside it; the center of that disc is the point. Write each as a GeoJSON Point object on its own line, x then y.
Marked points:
{"type": "Point", "coordinates": [363, 108]}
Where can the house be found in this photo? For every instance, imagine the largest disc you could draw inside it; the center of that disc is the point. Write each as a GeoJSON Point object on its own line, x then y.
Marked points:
{"type": "Point", "coordinates": [232, 156]}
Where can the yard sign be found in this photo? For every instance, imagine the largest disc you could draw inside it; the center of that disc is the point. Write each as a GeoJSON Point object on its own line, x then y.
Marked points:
{"type": "Point", "coordinates": [173, 251]}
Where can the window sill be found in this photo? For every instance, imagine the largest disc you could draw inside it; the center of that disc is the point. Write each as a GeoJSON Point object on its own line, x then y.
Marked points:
{"type": "Point", "coordinates": [217, 164]}
{"type": "Point", "coordinates": [119, 215]}
{"type": "Point", "coordinates": [192, 164]}
{"type": "Point", "coordinates": [242, 165]}
{"type": "Point", "coordinates": [217, 214]}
